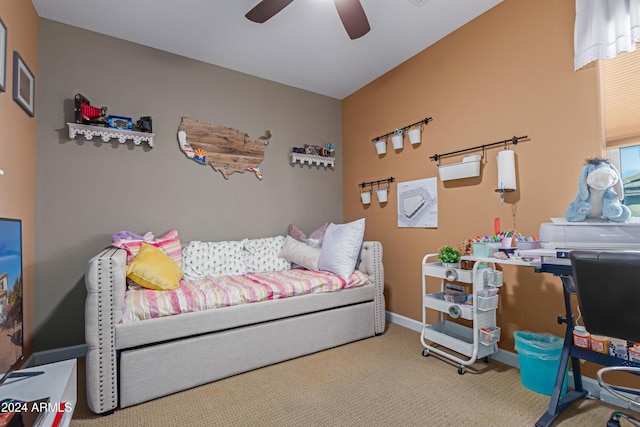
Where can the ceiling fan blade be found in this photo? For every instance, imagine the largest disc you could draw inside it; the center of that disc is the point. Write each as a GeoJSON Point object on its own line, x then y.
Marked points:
{"type": "Point", "coordinates": [265, 10]}
{"type": "Point", "coordinates": [353, 17]}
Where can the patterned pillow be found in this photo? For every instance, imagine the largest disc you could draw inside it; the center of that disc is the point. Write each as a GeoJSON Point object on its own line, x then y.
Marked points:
{"type": "Point", "coordinates": [314, 239]}
{"type": "Point", "coordinates": [169, 244]}
{"type": "Point", "coordinates": [211, 259]}
{"type": "Point", "coordinates": [261, 255]}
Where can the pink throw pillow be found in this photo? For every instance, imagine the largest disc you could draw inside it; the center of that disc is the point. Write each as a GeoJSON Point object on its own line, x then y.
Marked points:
{"type": "Point", "coordinates": [314, 239]}
{"type": "Point", "coordinates": [169, 244]}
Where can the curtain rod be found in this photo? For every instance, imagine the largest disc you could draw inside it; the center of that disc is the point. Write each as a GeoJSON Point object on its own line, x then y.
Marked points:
{"type": "Point", "coordinates": [425, 121]}
{"type": "Point", "coordinates": [513, 140]}
{"type": "Point", "coordinates": [372, 183]}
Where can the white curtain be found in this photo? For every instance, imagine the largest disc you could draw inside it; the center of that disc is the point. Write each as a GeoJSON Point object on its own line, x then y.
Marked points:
{"type": "Point", "coordinates": [604, 28]}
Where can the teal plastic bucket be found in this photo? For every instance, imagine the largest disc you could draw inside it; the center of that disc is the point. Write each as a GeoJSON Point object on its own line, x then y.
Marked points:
{"type": "Point", "coordinates": [539, 357]}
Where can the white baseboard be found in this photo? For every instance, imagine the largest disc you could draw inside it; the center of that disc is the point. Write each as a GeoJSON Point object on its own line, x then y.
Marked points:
{"type": "Point", "coordinates": [398, 319]}
{"type": "Point", "coordinates": [503, 356]}
{"type": "Point", "coordinates": [511, 359]}
{"type": "Point", "coordinates": [55, 355]}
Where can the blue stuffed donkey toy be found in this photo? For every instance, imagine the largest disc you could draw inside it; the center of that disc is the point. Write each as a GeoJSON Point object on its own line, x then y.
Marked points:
{"type": "Point", "coordinates": [600, 194]}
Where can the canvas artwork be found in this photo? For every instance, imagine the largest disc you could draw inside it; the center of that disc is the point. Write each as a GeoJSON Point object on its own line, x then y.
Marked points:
{"type": "Point", "coordinates": [10, 293]}
{"type": "Point", "coordinates": [418, 203]}
{"type": "Point", "coordinates": [223, 148]}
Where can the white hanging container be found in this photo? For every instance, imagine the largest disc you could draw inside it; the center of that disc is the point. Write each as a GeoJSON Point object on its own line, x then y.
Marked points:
{"type": "Point", "coordinates": [415, 135]}
{"type": "Point", "coordinates": [365, 197]}
{"type": "Point", "coordinates": [381, 145]}
{"type": "Point", "coordinates": [382, 194]}
{"type": "Point", "coordinates": [397, 140]}
{"type": "Point", "coordinates": [468, 168]}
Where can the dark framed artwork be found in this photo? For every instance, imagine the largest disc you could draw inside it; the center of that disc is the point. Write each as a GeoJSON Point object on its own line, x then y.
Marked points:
{"type": "Point", "coordinates": [3, 56]}
{"type": "Point", "coordinates": [24, 84]}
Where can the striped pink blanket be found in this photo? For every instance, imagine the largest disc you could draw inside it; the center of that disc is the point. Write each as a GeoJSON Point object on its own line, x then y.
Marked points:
{"type": "Point", "coordinates": [141, 303]}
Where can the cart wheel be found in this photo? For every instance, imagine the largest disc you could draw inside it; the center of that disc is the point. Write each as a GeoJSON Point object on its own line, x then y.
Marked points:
{"type": "Point", "coordinates": [425, 352]}
{"type": "Point", "coordinates": [613, 422]}
{"type": "Point", "coordinates": [487, 359]}
{"type": "Point", "coordinates": [461, 370]}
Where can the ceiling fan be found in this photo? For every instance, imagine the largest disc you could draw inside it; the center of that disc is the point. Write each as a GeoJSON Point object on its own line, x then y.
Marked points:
{"type": "Point", "coordinates": [350, 11]}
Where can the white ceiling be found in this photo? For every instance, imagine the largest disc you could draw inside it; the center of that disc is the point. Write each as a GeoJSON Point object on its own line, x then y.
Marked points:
{"type": "Point", "coordinates": [305, 45]}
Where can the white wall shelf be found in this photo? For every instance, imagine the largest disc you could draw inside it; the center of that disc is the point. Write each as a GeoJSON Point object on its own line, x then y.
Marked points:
{"type": "Point", "coordinates": [107, 134]}
{"type": "Point", "coordinates": [311, 159]}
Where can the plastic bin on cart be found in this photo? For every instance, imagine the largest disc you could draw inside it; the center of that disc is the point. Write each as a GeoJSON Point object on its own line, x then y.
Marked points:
{"type": "Point", "coordinates": [489, 335]}
{"type": "Point", "coordinates": [539, 358]}
{"type": "Point", "coordinates": [487, 303]}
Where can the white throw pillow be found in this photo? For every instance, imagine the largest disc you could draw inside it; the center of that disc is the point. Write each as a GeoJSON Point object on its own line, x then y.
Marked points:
{"type": "Point", "coordinates": [341, 247]}
{"type": "Point", "coordinates": [300, 253]}
{"type": "Point", "coordinates": [262, 255]}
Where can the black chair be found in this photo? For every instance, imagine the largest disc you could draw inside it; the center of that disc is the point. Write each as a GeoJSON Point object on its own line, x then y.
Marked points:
{"type": "Point", "coordinates": [608, 288]}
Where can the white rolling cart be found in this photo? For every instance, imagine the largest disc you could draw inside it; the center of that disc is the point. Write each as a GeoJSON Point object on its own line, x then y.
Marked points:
{"type": "Point", "coordinates": [478, 341]}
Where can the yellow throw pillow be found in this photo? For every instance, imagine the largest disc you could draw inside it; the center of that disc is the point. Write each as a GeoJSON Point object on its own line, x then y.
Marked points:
{"type": "Point", "coordinates": [153, 269]}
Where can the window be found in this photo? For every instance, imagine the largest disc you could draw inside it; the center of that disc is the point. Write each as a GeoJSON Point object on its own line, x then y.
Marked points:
{"type": "Point", "coordinates": [627, 160]}
{"type": "Point", "coordinates": [621, 99]}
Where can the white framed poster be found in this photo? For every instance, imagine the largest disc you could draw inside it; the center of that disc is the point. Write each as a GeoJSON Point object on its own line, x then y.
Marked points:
{"type": "Point", "coordinates": [418, 203]}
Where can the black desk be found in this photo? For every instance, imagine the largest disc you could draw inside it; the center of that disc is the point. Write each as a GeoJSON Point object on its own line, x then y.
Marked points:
{"type": "Point", "coordinates": [557, 403]}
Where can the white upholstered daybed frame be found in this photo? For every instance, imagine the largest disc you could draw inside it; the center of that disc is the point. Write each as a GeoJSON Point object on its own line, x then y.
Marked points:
{"type": "Point", "coordinates": [131, 363]}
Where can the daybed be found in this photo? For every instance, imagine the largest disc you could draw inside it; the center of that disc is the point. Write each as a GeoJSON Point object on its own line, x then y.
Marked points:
{"type": "Point", "coordinates": [133, 362]}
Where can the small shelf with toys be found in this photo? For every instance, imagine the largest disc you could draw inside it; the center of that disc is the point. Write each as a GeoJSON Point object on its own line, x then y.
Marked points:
{"type": "Point", "coordinates": [311, 159]}
{"type": "Point", "coordinates": [106, 134]}
{"type": "Point", "coordinates": [92, 121]}
{"type": "Point", "coordinates": [313, 154]}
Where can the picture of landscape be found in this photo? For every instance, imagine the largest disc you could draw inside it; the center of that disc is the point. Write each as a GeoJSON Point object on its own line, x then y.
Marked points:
{"type": "Point", "coordinates": [10, 294]}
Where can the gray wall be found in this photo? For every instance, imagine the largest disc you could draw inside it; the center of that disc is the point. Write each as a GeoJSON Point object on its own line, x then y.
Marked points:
{"type": "Point", "coordinates": [87, 191]}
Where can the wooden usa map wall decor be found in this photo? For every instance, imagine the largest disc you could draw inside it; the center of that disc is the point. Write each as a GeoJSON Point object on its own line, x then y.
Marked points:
{"type": "Point", "coordinates": [226, 149]}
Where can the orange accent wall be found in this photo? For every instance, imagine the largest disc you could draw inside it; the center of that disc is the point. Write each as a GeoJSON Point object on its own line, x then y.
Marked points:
{"type": "Point", "coordinates": [18, 145]}
{"type": "Point", "coordinates": [508, 72]}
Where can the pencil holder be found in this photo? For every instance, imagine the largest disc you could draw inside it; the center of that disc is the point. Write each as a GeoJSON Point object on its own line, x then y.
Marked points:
{"type": "Point", "coordinates": [480, 249]}
{"type": "Point", "coordinates": [506, 242]}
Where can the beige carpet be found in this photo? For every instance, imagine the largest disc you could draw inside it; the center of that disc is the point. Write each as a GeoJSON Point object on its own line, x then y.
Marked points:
{"type": "Point", "coordinates": [381, 381]}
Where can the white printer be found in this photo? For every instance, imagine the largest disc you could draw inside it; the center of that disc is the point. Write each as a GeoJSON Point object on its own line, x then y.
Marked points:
{"type": "Point", "coordinates": [562, 234]}
{"type": "Point", "coordinates": [559, 237]}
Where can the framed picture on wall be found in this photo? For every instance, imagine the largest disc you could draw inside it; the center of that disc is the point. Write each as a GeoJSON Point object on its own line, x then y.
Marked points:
{"type": "Point", "coordinates": [23, 84]}
{"type": "Point", "coordinates": [3, 56]}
